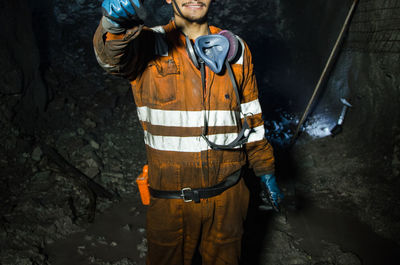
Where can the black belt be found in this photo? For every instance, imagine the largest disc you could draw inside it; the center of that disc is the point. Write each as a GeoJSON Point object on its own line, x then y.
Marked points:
{"type": "Point", "coordinates": [189, 194]}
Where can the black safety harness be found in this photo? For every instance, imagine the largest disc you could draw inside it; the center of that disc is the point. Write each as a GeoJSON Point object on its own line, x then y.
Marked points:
{"type": "Point", "coordinates": [241, 138]}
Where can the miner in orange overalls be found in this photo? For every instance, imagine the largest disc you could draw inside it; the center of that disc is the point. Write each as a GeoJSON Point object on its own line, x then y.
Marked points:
{"type": "Point", "coordinates": [197, 101]}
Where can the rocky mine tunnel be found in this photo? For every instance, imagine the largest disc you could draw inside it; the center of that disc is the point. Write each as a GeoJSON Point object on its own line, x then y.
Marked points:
{"type": "Point", "coordinates": [71, 144]}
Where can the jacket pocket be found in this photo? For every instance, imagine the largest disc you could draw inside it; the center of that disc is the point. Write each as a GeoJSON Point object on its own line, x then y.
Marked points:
{"type": "Point", "coordinates": [160, 83]}
{"type": "Point", "coordinates": [164, 175]}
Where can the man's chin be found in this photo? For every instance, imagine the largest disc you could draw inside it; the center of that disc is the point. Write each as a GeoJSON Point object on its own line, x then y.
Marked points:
{"type": "Point", "coordinates": [198, 20]}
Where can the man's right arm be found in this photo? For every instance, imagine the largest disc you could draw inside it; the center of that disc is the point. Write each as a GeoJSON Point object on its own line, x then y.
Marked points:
{"type": "Point", "coordinates": [120, 36]}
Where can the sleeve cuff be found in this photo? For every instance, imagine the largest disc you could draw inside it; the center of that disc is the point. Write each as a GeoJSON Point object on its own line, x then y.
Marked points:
{"type": "Point", "coordinates": [262, 173]}
{"type": "Point", "coordinates": [111, 26]}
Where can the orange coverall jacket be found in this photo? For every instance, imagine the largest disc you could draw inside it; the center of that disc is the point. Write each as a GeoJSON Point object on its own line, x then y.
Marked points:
{"type": "Point", "coordinates": [171, 106]}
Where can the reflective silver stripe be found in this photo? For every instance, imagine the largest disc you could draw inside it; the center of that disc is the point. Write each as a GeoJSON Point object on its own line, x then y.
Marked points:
{"type": "Point", "coordinates": [196, 143]}
{"type": "Point", "coordinates": [107, 67]}
{"type": "Point", "coordinates": [186, 144]}
{"type": "Point", "coordinates": [257, 134]}
{"type": "Point", "coordinates": [161, 47]}
{"type": "Point", "coordinates": [240, 60]}
{"type": "Point", "coordinates": [158, 29]}
{"type": "Point", "coordinates": [176, 118]}
{"type": "Point", "coordinates": [251, 108]}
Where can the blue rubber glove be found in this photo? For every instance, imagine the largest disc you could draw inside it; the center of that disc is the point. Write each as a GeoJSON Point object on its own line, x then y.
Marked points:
{"type": "Point", "coordinates": [271, 194]}
{"type": "Point", "coordinates": [123, 11]}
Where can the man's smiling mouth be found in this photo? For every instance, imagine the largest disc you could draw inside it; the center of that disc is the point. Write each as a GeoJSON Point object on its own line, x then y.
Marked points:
{"type": "Point", "coordinates": [194, 4]}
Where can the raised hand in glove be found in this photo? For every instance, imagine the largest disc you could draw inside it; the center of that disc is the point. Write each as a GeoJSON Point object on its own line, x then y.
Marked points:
{"type": "Point", "coordinates": [121, 14]}
{"type": "Point", "coordinates": [270, 194]}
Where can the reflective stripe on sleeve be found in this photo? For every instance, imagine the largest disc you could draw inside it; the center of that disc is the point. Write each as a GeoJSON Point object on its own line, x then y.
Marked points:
{"type": "Point", "coordinates": [161, 47]}
{"type": "Point", "coordinates": [105, 66]}
{"type": "Point", "coordinates": [257, 134]}
{"type": "Point", "coordinates": [251, 108]}
{"type": "Point", "coordinates": [240, 60]}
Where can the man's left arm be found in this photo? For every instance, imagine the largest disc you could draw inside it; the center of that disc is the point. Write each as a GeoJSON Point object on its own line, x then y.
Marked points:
{"type": "Point", "coordinates": [259, 151]}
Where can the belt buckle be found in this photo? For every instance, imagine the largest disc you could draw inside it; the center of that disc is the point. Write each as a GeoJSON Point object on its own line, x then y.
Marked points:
{"type": "Point", "coordinates": [183, 194]}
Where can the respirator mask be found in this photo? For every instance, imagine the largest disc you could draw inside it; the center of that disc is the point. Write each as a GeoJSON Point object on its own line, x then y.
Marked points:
{"type": "Point", "coordinates": [218, 51]}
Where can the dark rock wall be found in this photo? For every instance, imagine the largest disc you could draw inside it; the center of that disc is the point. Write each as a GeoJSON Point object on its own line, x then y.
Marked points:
{"type": "Point", "coordinates": [20, 81]}
{"type": "Point", "coordinates": [361, 166]}
{"type": "Point", "coordinates": [375, 28]}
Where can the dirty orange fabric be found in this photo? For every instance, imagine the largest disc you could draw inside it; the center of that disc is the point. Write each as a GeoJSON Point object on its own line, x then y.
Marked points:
{"type": "Point", "coordinates": [173, 238]}
{"type": "Point", "coordinates": [110, 36]}
{"type": "Point", "coordinates": [174, 112]}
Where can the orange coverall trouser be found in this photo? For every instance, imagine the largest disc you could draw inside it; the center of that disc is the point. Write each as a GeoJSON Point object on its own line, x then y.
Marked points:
{"type": "Point", "coordinates": [175, 229]}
